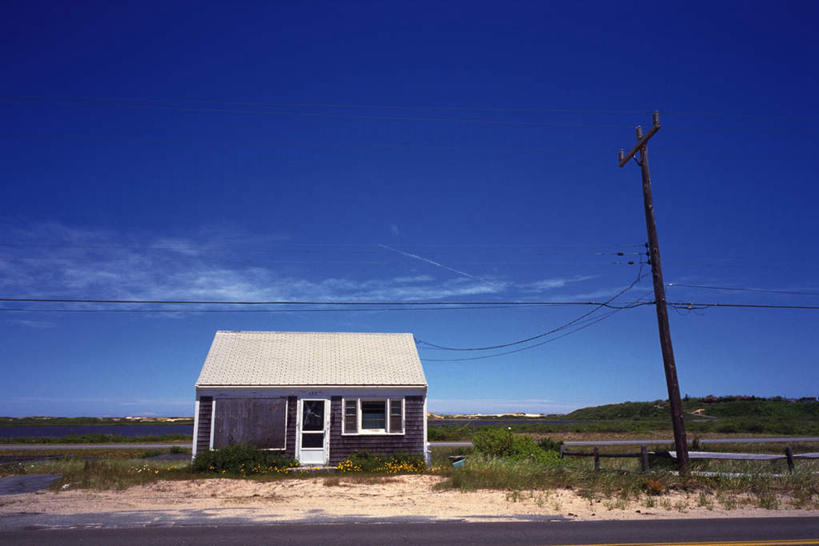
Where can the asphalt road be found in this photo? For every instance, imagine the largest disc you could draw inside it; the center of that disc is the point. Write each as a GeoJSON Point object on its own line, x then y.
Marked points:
{"type": "Point", "coordinates": [758, 531]}
{"type": "Point", "coordinates": [43, 447]}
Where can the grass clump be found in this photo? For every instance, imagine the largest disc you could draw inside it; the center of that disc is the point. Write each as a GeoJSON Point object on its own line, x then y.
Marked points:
{"type": "Point", "coordinates": [242, 459]}
{"type": "Point", "coordinates": [108, 473]}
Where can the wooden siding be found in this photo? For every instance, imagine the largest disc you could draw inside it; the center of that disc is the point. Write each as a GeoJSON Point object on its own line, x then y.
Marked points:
{"type": "Point", "coordinates": [412, 441]}
{"type": "Point", "coordinates": [205, 416]}
{"type": "Point", "coordinates": [290, 442]}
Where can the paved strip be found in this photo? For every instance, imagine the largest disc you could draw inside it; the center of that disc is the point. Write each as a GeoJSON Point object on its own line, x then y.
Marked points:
{"type": "Point", "coordinates": [783, 440]}
{"type": "Point", "coordinates": [26, 483]}
{"type": "Point", "coordinates": [44, 447]}
{"type": "Point", "coordinates": [782, 531]}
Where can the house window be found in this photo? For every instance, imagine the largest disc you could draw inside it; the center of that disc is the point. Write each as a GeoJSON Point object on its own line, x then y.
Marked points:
{"type": "Point", "coordinates": [373, 416]}
{"type": "Point", "coordinates": [351, 416]}
{"type": "Point", "coordinates": [396, 416]}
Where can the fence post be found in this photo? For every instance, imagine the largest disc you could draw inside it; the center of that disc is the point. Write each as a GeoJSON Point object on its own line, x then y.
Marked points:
{"type": "Point", "coordinates": [562, 449]}
{"type": "Point", "coordinates": [644, 457]}
{"type": "Point", "coordinates": [596, 459]}
{"type": "Point", "coordinates": [789, 457]}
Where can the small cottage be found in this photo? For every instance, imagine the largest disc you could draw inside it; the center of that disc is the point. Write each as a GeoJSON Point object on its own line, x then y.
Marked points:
{"type": "Point", "coordinates": [315, 396]}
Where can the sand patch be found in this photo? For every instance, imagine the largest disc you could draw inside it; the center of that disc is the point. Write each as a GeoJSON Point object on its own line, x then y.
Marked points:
{"type": "Point", "coordinates": [310, 499]}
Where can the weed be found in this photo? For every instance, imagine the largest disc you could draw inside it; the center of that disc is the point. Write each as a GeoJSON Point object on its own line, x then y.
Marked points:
{"type": "Point", "coordinates": [767, 500]}
{"type": "Point", "coordinates": [727, 500]}
{"type": "Point", "coordinates": [654, 486]}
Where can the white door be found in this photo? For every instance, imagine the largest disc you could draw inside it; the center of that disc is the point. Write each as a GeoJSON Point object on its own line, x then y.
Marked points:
{"type": "Point", "coordinates": [313, 432]}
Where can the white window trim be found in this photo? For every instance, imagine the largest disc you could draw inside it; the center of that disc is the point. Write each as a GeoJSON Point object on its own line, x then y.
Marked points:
{"type": "Point", "coordinates": [376, 431]}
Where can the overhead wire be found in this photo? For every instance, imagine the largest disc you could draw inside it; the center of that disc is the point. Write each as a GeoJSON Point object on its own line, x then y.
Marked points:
{"type": "Point", "coordinates": [509, 303]}
{"type": "Point", "coordinates": [545, 110]}
{"type": "Point", "coordinates": [586, 324]}
{"type": "Point", "coordinates": [543, 334]}
{"type": "Point", "coordinates": [738, 289]}
{"type": "Point", "coordinates": [700, 305]}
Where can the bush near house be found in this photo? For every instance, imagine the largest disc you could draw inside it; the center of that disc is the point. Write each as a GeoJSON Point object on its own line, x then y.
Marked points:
{"type": "Point", "coordinates": [242, 459]}
{"type": "Point", "coordinates": [363, 461]}
{"type": "Point", "coordinates": [500, 442]}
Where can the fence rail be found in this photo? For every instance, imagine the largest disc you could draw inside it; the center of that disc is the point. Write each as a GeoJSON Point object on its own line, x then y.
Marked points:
{"type": "Point", "coordinates": [643, 456]}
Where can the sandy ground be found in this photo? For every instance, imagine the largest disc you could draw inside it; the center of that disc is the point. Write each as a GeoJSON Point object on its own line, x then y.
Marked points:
{"type": "Point", "coordinates": [316, 499]}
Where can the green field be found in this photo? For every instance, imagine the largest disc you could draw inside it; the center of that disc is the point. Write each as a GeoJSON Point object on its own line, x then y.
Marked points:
{"type": "Point", "coordinates": [708, 415]}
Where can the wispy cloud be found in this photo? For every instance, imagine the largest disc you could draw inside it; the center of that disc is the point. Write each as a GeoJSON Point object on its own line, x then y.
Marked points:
{"type": "Point", "coordinates": [500, 405]}
{"type": "Point", "coordinates": [544, 285]}
{"type": "Point", "coordinates": [57, 261]}
{"type": "Point", "coordinates": [32, 323]}
{"type": "Point", "coordinates": [52, 260]}
{"type": "Point", "coordinates": [427, 260]}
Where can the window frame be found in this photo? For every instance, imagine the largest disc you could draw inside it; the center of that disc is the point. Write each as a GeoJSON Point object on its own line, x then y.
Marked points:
{"type": "Point", "coordinates": [388, 405]}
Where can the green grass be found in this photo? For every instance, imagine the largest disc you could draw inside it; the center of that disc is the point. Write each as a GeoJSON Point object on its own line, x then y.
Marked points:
{"type": "Point", "coordinates": [621, 480]}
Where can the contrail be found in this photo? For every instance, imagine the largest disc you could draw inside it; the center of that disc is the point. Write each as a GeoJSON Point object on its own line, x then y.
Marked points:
{"type": "Point", "coordinates": [427, 260]}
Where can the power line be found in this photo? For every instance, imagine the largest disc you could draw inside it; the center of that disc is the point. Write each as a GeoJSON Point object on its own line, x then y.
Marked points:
{"type": "Point", "coordinates": [289, 310]}
{"type": "Point", "coordinates": [549, 332]}
{"type": "Point", "coordinates": [695, 305]}
{"type": "Point", "coordinates": [304, 302]}
{"type": "Point", "coordinates": [587, 324]}
{"type": "Point", "coordinates": [191, 109]}
{"type": "Point", "coordinates": [736, 289]}
{"type": "Point", "coordinates": [543, 110]}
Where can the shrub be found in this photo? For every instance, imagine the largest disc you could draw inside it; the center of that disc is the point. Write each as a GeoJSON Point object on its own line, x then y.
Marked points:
{"type": "Point", "coordinates": [493, 441]}
{"type": "Point", "coordinates": [242, 459]}
{"type": "Point", "coordinates": [547, 444]}
{"type": "Point", "coordinates": [499, 442]}
{"type": "Point", "coordinates": [524, 448]}
{"type": "Point", "coordinates": [364, 461]}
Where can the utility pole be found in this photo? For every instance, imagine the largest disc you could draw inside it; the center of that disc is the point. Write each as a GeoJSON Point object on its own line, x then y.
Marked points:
{"type": "Point", "coordinates": [680, 442]}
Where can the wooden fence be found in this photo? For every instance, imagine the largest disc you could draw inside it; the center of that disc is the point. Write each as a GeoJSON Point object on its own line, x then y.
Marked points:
{"type": "Point", "coordinates": [643, 456]}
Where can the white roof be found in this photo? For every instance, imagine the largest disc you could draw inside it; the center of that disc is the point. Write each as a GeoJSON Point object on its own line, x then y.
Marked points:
{"type": "Point", "coordinates": [311, 358]}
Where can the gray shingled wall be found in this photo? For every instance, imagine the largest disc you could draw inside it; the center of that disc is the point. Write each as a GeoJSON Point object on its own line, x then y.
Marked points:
{"type": "Point", "coordinates": [411, 441]}
{"type": "Point", "coordinates": [290, 440]}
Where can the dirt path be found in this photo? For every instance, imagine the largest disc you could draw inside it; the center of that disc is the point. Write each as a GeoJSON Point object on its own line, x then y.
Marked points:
{"type": "Point", "coordinates": [311, 499]}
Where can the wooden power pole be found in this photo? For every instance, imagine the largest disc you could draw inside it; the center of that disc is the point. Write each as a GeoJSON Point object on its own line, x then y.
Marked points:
{"type": "Point", "coordinates": [680, 442]}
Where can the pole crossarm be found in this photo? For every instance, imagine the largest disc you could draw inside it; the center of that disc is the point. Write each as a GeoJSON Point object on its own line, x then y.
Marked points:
{"type": "Point", "coordinates": [623, 158]}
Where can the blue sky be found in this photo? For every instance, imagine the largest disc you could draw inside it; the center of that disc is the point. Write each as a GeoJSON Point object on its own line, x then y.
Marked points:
{"type": "Point", "coordinates": [377, 151]}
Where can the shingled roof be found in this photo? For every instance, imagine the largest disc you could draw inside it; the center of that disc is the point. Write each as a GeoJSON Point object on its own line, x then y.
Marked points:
{"type": "Point", "coordinates": [311, 358]}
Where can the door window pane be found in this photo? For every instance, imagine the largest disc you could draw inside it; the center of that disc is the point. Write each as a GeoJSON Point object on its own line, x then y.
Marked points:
{"type": "Point", "coordinates": [313, 415]}
{"type": "Point", "coordinates": [350, 416]}
{"type": "Point", "coordinates": [312, 439]}
{"type": "Point", "coordinates": [396, 424]}
{"type": "Point", "coordinates": [373, 415]}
